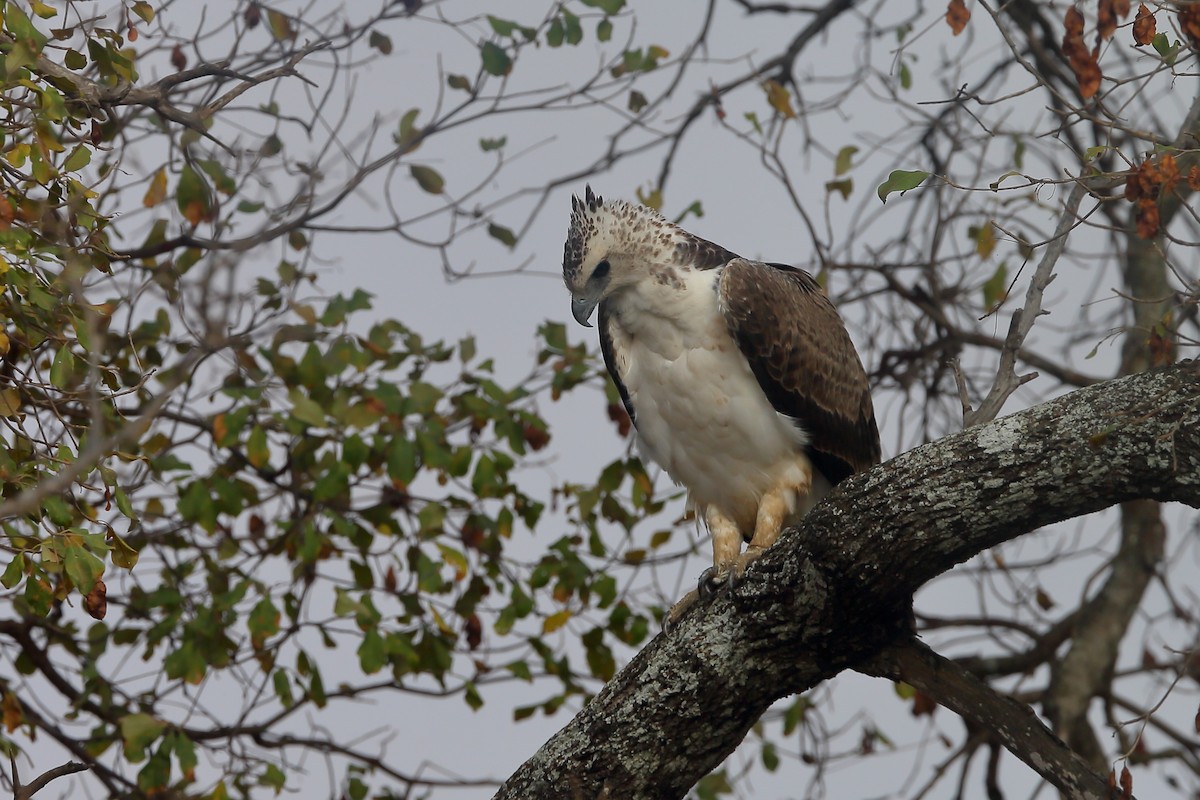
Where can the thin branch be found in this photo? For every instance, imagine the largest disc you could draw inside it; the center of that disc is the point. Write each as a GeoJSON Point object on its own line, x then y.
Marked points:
{"type": "Point", "coordinates": [1007, 381]}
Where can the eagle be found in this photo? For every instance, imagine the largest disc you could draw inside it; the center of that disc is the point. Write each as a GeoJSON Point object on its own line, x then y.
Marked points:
{"type": "Point", "coordinates": [739, 376]}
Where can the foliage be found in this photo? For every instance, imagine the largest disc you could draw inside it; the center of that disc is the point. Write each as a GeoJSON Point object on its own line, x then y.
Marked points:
{"type": "Point", "coordinates": [237, 496]}
{"type": "Point", "coordinates": [217, 468]}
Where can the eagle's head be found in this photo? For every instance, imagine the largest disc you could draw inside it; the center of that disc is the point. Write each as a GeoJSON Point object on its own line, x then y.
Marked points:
{"type": "Point", "coordinates": [610, 246]}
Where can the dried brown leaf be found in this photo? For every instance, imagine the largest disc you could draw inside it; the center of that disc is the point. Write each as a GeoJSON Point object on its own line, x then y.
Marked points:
{"type": "Point", "coordinates": [957, 16]}
{"type": "Point", "coordinates": [1144, 26]}
{"type": "Point", "coordinates": [1084, 63]}
{"type": "Point", "coordinates": [96, 601]}
{"type": "Point", "coordinates": [1189, 22]}
{"type": "Point", "coordinates": [1193, 178]}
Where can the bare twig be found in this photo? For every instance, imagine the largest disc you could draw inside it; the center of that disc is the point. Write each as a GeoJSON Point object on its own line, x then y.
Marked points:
{"type": "Point", "coordinates": [29, 790]}
{"type": "Point", "coordinates": [1007, 381]}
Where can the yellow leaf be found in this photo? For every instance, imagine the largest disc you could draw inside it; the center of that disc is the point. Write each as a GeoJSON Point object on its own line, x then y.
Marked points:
{"type": "Point", "coordinates": [985, 240]}
{"type": "Point", "coordinates": [305, 312]}
{"type": "Point", "coordinates": [157, 191]}
{"type": "Point", "coordinates": [4, 343]}
{"type": "Point", "coordinates": [13, 716]}
{"type": "Point", "coordinates": [220, 427]}
{"type": "Point", "coordinates": [280, 25]}
{"type": "Point", "coordinates": [10, 402]}
{"type": "Point", "coordinates": [42, 10]}
{"type": "Point", "coordinates": [144, 10]}
{"type": "Point", "coordinates": [555, 621]}
{"type": "Point", "coordinates": [780, 99]}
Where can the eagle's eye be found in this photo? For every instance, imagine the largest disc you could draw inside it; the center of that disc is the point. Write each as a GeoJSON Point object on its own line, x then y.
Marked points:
{"type": "Point", "coordinates": [601, 271]}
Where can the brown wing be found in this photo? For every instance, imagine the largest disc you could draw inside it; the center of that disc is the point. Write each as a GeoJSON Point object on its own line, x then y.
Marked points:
{"type": "Point", "coordinates": [802, 356]}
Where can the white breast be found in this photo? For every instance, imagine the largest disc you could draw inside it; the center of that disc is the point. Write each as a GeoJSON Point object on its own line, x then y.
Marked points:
{"type": "Point", "coordinates": [700, 412]}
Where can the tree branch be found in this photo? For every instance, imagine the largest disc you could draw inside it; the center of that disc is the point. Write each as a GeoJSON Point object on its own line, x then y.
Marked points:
{"type": "Point", "coordinates": [835, 591]}
{"type": "Point", "coordinates": [29, 790]}
{"type": "Point", "coordinates": [1013, 723]}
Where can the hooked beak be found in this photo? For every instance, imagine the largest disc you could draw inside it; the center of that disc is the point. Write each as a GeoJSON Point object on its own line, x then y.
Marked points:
{"type": "Point", "coordinates": [582, 306]}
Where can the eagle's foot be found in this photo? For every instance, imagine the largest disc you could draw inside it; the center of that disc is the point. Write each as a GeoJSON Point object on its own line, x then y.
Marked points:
{"type": "Point", "coordinates": [677, 611]}
{"type": "Point", "coordinates": [737, 570]}
{"type": "Point", "coordinates": [712, 579]}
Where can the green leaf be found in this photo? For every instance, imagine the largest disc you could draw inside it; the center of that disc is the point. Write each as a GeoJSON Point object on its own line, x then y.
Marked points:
{"type": "Point", "coordinates": [487, 145]}
{"type": "Point", "coordinates": [995, 288]}
{"type": "Point", "coordinates": [770, 757]}
{"type": "Point", "coordinates": [305, 409]}
{"type": "Point", "coordinates": [458, 82]}
{"type": "Point", "coordinates": [607, 6]}
{"type": "Point", "coordinates": [83, 567]}
{"type": "Point", "coordinates": [496, 60]}
{"type": "Point", "coordinates": [263, 622]}
{"type": "Point", "coordinates": [372, 655]}
{"type": "Point", "coordinates": [402, 459]}
{"type": "Point", "coordinates": [138, 732]}
{"type": "Point", "coordinates": [901, 180]}
{"type": "Point", "coordinates": [224, 183]}
{"type": "Point", "coordinates": [193, 196]}
{"type": "Point", "coordinates": [502, 234]}
{"type": "Point", "coordinates": [257, 452]}
{"type": "Point", "coordinates": [573, 30]}
{"type": "Point", "coordinates": [80, 157]}
{"type": "Point", "coordinates": [283, 688]}
{"type": "Point", "coordinates": [14, 572]}
{"type": "Point", "coordinates": [555, 33]}
{"type": "Point", "coordinates": [62, 368]}
{"type": "Point", "coordinates": [38, 596]}
{"type": "Point", "coordinates": [428, 178]}
{"type": "Point", "coordinates": [122, 554]}
{"type": "Point", "coordinates": [1162, 45]}
{"type": "Point", "coordinates": [604, 30]}
{"type": "Point", "coordinates": [841, 163]}
{"type": "Point", "coordinates": [752, 118]}
{"type": "Point", "coordinates": [502, 27]}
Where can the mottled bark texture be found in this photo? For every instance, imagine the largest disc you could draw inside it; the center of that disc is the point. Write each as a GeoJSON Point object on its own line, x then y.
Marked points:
{"type": "Point", "coordinates": [834, 593]}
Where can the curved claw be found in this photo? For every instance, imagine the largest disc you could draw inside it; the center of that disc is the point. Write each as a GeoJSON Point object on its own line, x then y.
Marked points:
{"type": "Point", "coordinates": [711, 580]}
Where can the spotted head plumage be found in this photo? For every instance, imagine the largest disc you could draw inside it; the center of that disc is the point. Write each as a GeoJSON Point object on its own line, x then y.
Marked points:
{"type": "Point", "coordinates": [614, 244]}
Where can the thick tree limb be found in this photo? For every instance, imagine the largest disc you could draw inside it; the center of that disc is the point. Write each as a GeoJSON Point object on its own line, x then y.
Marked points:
{"type": "Point", "coordinates": [835, 591]}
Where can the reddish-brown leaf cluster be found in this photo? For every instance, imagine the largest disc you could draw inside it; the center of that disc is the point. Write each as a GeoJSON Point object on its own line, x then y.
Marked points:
{"type": "Point", "coordinates": [178, 59]}
{"type": "Point", "coordinates": [96, 601]}
{"type": "Point", "coordinates": [617, 413]}
{"type": "Point", "coordinates": [957, 16]}
{"type": "Point", "coordinates": [1189, 22]}
{"type": "Point", "coordinates": [1126, 783]}
{"type": "Point", "coordinates": [474, 630]}
{"type": "Point", "coordinates": [535, 437]}
{"type": "Point", "coordinates": [1193, 178]}
{"type": "Point", "coordinates": [1145, 185]}
{"type": "Point", "coordinates": [1144, 26]}
{"type": "Point", "coordinates": [923, 705]}
{"type": "Point", "coordinates": [1084, 63]}
{"type": "Point", "coordinates": [1109, 12]}
{"type": "Point", "coordinates": [1162, 347]}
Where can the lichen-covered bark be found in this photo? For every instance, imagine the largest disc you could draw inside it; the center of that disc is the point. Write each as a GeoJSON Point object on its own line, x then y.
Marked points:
{"type": "Point", "coordinates": [834, 592]}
